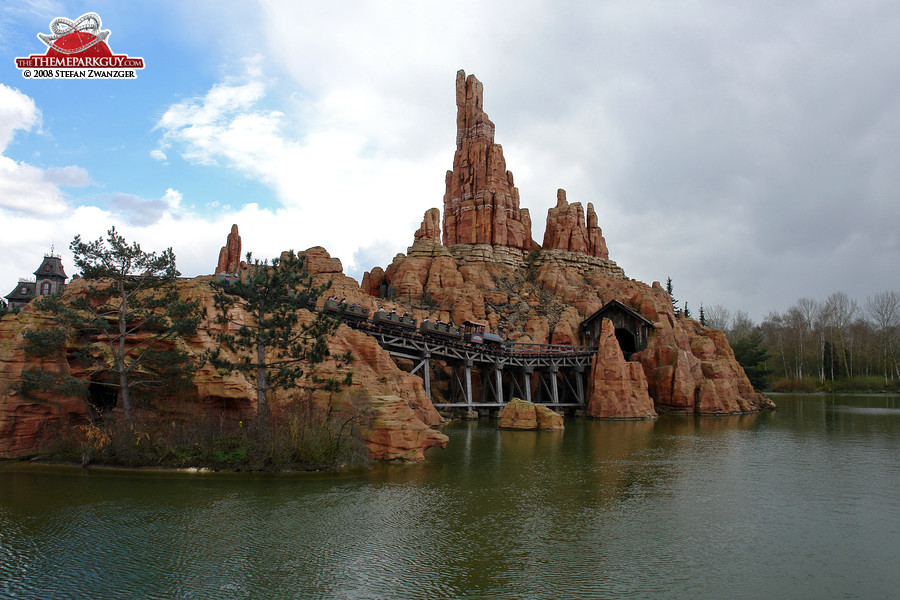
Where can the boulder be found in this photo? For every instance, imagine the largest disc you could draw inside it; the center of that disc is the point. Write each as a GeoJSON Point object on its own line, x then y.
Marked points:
{"type": "Point", "coordinates": [394, 432]}
{"type": "Point", "coordinates": [519, 414]}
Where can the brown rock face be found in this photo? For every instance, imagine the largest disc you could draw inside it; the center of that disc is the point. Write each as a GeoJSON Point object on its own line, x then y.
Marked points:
{"type": "Point", "coordinates": [566, 229]}
{"type": "Point", "coordinates": [230, 254]}
{"type": "Point", "coordinates": [519, 414]}
{"type": "Point", "coordinates": [30, 422]}
{"type": "Point", "coordinates": [618, 388]}
{"type": "Point", "coordinates": [393, 432]}
{"type": "Point", "coordinates": [430, 230]}
{"type": "Point", "coordinates": [481, 204]}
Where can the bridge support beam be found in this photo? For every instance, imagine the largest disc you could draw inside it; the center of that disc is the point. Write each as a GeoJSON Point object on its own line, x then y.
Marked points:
{"type": "Point", "coordinates": [468, 368]}
{"type": "Point", "coordinates": [579, 385]}
{"type": "Point", "coordinates": [527, 377]}
{"type": "Point", "coordinates": [498, 383]}
{"type": "Point", "coordinates": [426, 374]}
{"type": "Point", "coordinates": [554, 391]}
{"type": "Point", "coordinates": [425, 365]}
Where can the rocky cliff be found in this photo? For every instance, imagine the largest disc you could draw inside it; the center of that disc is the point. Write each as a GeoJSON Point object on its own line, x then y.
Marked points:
{"type": "Point", "coordinates": [29, 421]}
{"type": "Point", "coordinates": [481, 204]}
{"type": "Point", "coordinates": [487, 269]}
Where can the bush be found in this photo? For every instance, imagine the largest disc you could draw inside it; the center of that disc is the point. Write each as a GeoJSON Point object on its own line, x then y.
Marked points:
{"type": "Point", "coordinates": [300, 437]}
{"type": "Point", "coordinates": [857, 384]}
{"type": "Point", "coordinates": [805, 385]}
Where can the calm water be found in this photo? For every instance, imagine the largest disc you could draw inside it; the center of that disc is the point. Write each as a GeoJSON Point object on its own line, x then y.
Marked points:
{"type": "Point", "coordinates": [800, 503]}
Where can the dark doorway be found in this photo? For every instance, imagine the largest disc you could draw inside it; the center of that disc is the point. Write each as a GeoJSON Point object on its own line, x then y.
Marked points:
{"type": "Point", "coordinates": [626, 341]}
{"type": "Point", "coordinates": [103, 397]}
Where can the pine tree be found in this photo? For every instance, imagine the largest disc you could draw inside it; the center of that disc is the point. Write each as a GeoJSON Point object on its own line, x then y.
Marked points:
{"type": "Point", "coordinates": [274, 347]}
{"type": "Point", "coordinates": [126, 319]}
{"type": "Point", "coordinates": [751, 353]}
{"type": "Point", "coordinates": [702, 315]}
{"type": "Point", "coordinates": [669, 290]}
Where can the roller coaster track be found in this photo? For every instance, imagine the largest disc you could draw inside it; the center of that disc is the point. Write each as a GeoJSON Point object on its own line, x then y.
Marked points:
{"type": "Point", "coordinates": [557, 369]}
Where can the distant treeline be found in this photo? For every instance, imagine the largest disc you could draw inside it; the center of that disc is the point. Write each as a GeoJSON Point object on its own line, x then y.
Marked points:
{"type": "Point", "coordinates": [838, 343]}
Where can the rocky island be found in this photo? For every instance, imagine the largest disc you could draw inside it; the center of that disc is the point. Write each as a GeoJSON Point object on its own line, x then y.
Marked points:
{"type": "Point", "coordinates": [474, 261]}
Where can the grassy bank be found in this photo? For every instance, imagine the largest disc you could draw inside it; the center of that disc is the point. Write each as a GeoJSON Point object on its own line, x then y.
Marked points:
{"type": "Point", "coordinates": [297, 438]}
{"type": "Point", "coordinates": [867, 384]}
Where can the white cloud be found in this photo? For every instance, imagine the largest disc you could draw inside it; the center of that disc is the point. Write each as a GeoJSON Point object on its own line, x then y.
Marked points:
{"type": "Point", "coordinates": [158, 154]}
{"type": "Point", "coordinates": [23, 187]}
{"type": "Point", "coordinates": [334, 188]}
{"type": "Point", "coordinates": [17, 111]}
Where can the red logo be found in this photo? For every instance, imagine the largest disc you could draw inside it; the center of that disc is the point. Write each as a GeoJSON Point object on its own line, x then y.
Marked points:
{"type": "Point", "coordinates": [78, 49]}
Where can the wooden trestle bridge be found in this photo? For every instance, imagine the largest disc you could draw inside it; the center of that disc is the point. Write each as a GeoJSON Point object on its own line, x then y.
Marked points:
{"type": "Point", "coordinates": [551, 374]}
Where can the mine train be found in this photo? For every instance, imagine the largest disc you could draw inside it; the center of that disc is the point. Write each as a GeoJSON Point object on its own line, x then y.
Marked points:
{"type": "Point", "coordinates": [469, 333]}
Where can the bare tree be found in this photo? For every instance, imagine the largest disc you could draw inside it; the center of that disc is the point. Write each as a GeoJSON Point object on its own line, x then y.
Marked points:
{"type": "Point", "coordinates": [840, 311]}
{"type": "Point", "coordinates": [884, 310]}
{"type": "Point", "coordinates": [717, 317]}
{"type": "Point", "coordinates": [811, 312]}
{"type": "Point", "coordinates": [741, 326]}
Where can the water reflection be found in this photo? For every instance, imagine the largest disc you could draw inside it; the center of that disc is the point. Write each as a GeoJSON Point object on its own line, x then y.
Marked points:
{"type": "Point", "coordinates": [802, 502]}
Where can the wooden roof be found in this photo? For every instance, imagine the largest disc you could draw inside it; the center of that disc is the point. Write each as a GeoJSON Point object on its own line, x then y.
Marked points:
{"type": "Point", "coordinates": [615, 305]}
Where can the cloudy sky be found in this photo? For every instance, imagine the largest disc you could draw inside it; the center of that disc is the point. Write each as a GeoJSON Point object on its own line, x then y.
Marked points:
{"type": "Point", "coordinates": [749, 150]}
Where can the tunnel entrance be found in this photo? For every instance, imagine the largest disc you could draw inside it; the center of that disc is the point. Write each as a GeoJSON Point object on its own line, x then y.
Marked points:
{"type": "Point", "coordinates": [632, 330]}
{"type": "Point", "coordinates": [626, 341]}
{"type": "Point", "coordinates": [103, 397]}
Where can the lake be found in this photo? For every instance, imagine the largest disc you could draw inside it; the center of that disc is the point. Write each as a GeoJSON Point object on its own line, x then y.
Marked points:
{"type": "Point", "coordinates": [803, 502]}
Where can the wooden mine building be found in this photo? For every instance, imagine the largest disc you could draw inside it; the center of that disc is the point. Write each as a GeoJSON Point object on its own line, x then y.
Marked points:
{"type": "Point", "coordinates": [632, 330]}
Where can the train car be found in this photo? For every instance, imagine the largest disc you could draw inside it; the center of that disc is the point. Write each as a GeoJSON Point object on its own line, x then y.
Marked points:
{"type": "Point", "coordinates": [439, 329]}
{"type": "Point", "coordinates": [473, 333]}
{"type": "Point", "coordinates": [493, 341]}
{"type": "Point", "coordinates": [353, 311]}
{"type": "Point", "coordinates": [392, 319]}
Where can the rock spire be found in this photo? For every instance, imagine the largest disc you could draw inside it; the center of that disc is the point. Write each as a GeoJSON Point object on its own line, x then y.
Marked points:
{"type": "Point", "coordinates": [230, 254]}
{"type": "Point", "coordinates": [566, 229]}
{"type": "Point", "coordinates": [481, 204]}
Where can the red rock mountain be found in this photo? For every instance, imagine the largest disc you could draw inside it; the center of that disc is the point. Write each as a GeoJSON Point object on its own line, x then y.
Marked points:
{"type": "Point", "coordinates": [481, 204]}
{"type": "Point", "coordinates": [488, 269]}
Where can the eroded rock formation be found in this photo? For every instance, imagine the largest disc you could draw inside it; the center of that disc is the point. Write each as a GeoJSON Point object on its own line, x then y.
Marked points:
{"type": "Point", "coordinates": [29, 421]}
{"type": "Point", "coordinates": [230, 254]}
{"type": "Point", "coordinates": [394, 432]}
{"type": "Point", "coordinates": [566, 229]}
{"type": "Point", "coordinates": [519, 414]}
{"type": "Point", "coordinates": [618, 388]}
{"type": "Point", "coordinates": [481, 204]}
{"type": "Point", "coordinates": [429, 232]}
{"type": "Point", "coordinates": [480, 273]}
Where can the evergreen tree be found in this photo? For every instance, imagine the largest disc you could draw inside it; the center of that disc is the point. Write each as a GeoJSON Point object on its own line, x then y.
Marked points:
{"type": "Point", "coordinates": [751, 353]}
{"type": "Point", "coordinates": [702, 315]}
{"type": "Point", "coordinates": [670, 290]}
{"type": "Point", "coordinates": [687, 311]}
{"type": "Point", "coordinates": [274, 347]}
{"type": "Point", "coordinates": [126, 319]}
